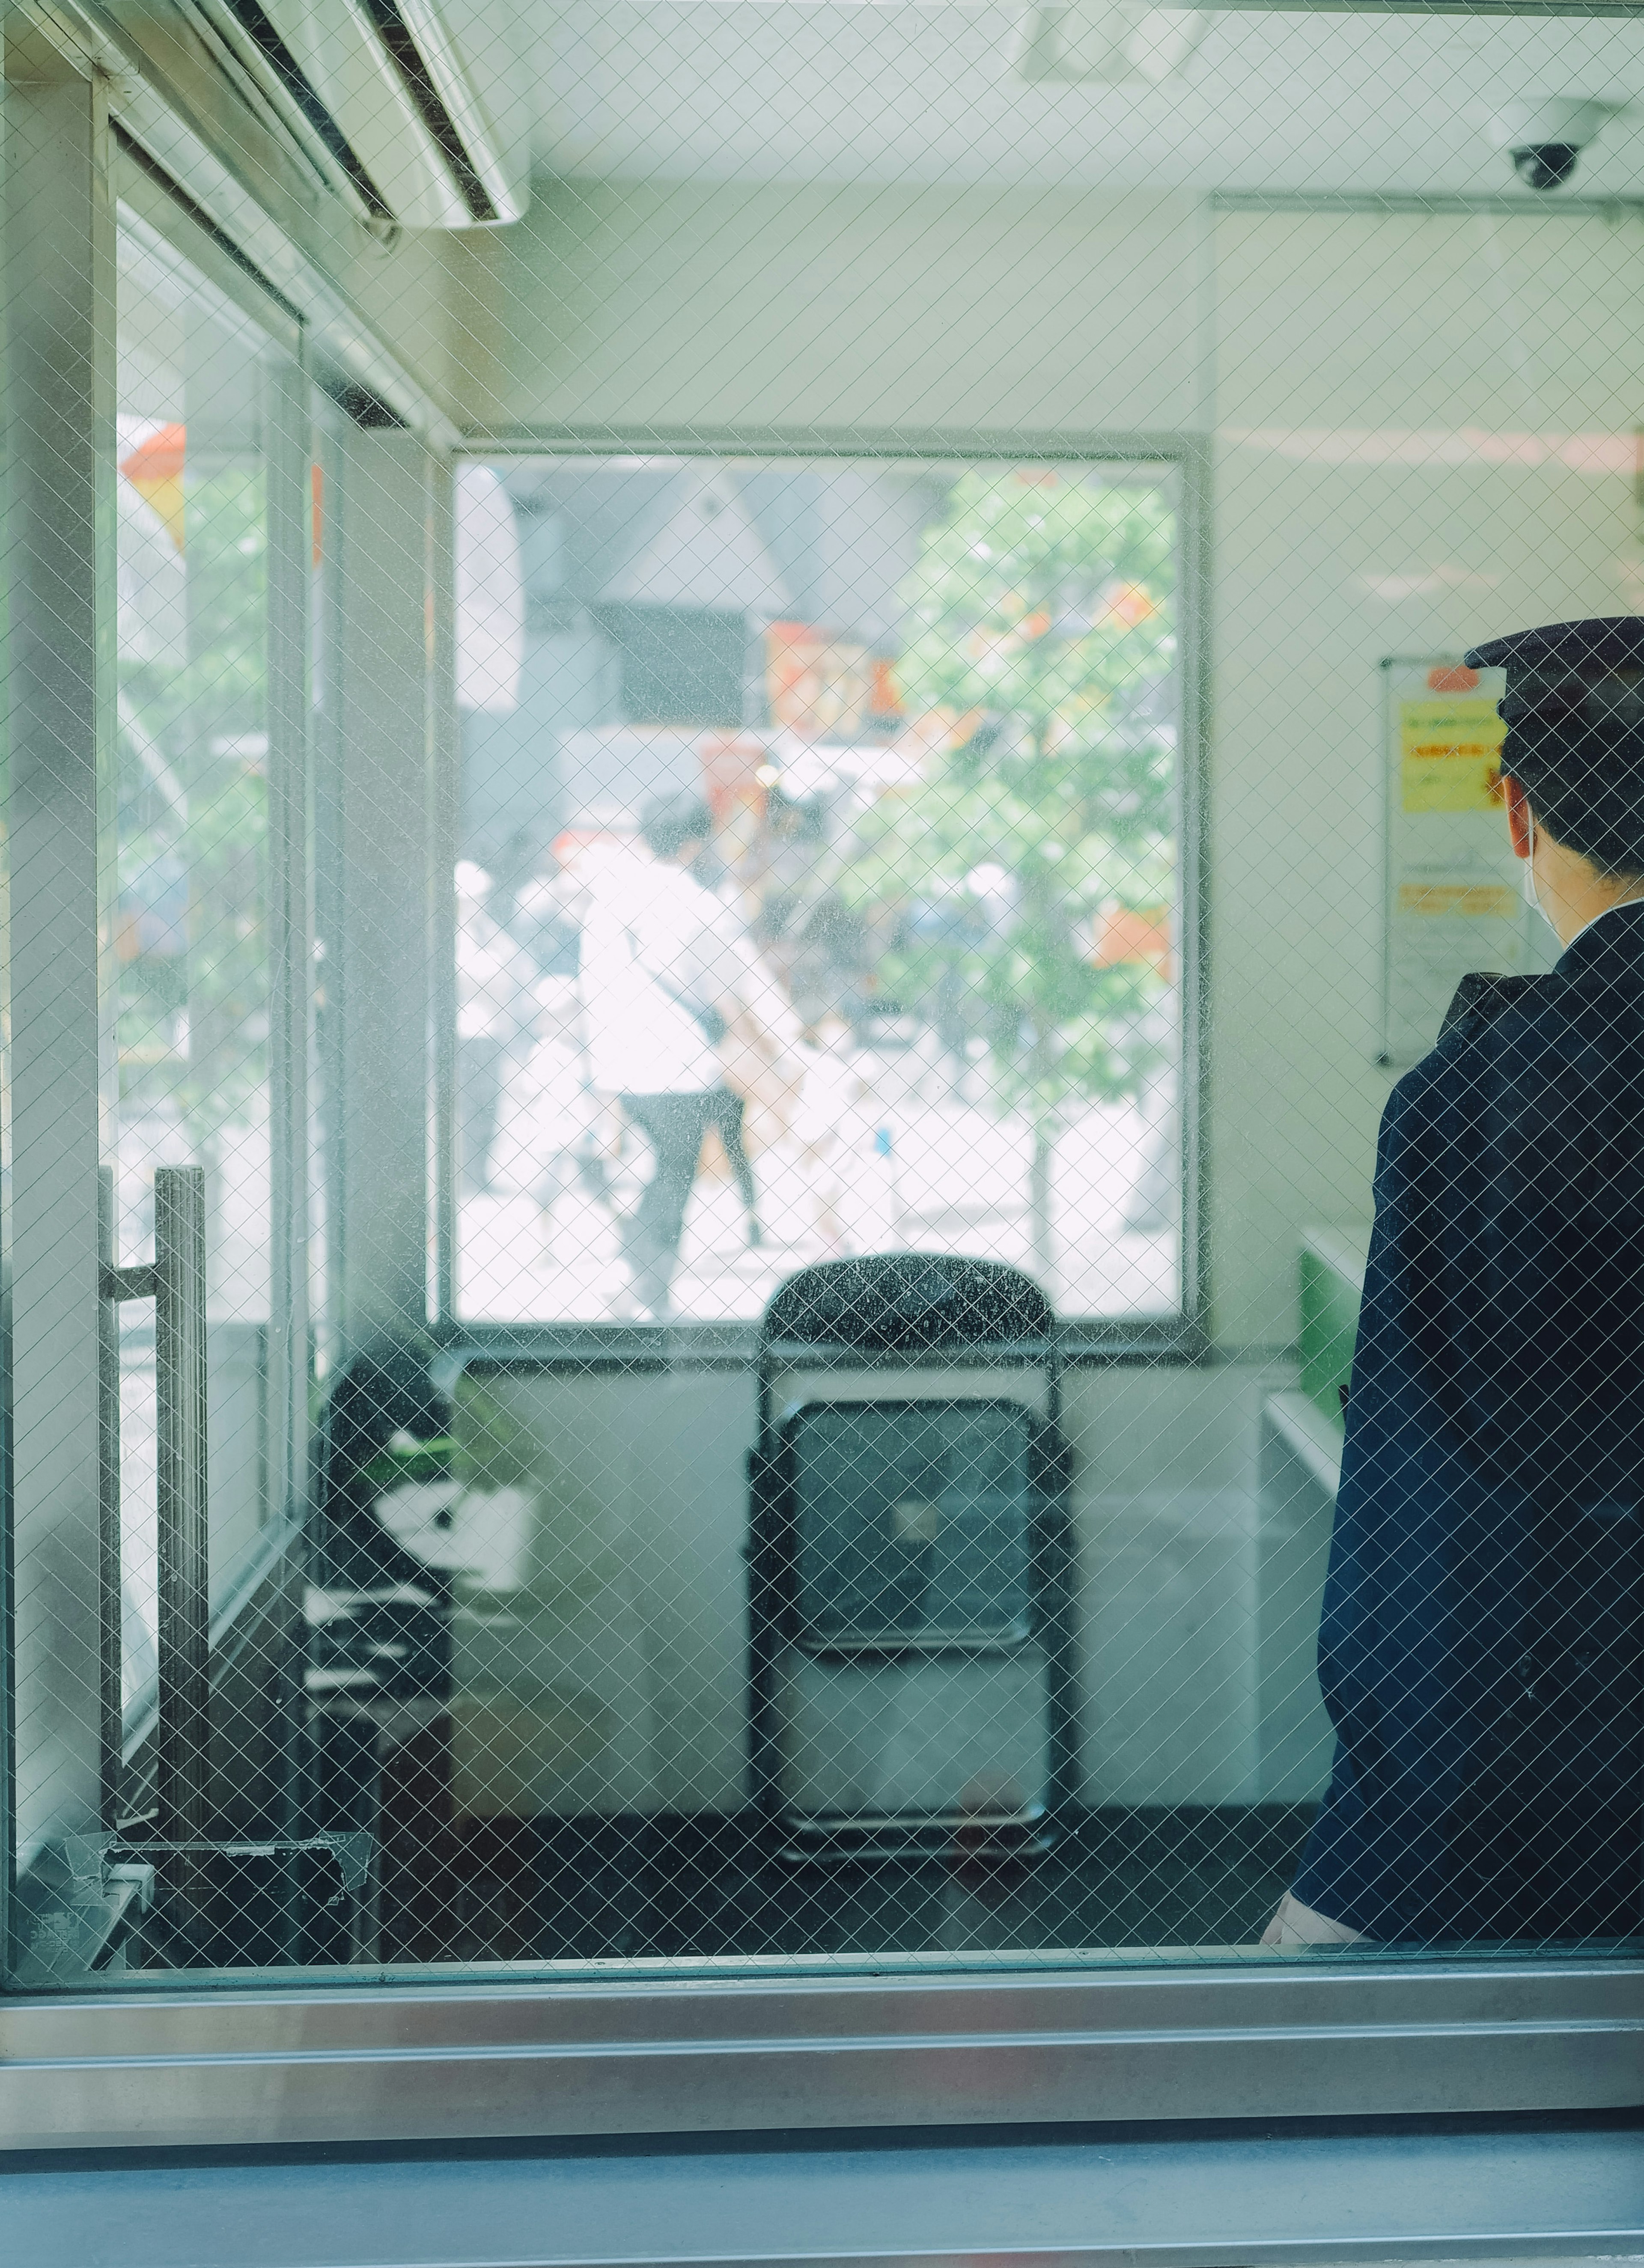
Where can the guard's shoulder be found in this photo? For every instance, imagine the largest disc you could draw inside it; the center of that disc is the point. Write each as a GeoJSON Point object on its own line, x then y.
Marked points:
{"type": "Point", "coordinates": [1482, 997]}
{"type": "Point", "coordinates": [1493, 1016]}
{"type": "Point", "coordinates": [1487, 1012]}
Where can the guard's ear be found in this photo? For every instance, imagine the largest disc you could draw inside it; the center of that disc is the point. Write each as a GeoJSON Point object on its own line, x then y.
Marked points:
{"type": "Point", "coordinates": [1520, 819]}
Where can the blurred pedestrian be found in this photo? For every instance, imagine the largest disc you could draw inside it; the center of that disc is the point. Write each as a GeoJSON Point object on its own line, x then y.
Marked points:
{"type": "Point", "coordinates": [681, 1015]}
{"type": "Point", "coordinates": [833, 1128]}
{"type": "Point", "coordinates": [545, 1120]}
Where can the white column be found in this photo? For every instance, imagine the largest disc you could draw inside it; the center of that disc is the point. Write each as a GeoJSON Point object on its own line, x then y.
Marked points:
{"type": "Point", "coordinates": [382, 889]}
{"type": "Point", "coordinates": [60, 558]}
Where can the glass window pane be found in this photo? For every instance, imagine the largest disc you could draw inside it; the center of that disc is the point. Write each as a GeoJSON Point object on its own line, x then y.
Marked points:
{"type": "Point", "coordinates": [820, 955]}
{"type": "Point", "coordinates": [191, 935]}
{"type": "Point", "coordinates": [819, 889]}
{"type": "Point", "coordinates": [323, 510]}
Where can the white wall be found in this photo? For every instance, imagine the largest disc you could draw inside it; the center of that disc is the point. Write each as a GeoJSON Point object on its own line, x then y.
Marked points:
{"type": "Point", "coordinates": [622, 304]}
{"type": "Point", "coordinates": [617, 1679]}
{"type": "Point", "coordinates": [1423, 435]}
{"type": "Point", "coordinates": [1424, 431]}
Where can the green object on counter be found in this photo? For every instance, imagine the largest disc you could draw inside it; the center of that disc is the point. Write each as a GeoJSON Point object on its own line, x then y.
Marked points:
{"type": "Point", "coordinates": [403, 1459]}
{"type": "Point", "coordinates": [1332, 1287]}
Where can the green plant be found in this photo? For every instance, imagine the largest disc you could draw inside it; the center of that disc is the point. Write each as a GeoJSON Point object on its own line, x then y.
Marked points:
{"type": "Point", "coordinates": [192, 798]}
{"type": "Point", "coordinates": [1042, 618]}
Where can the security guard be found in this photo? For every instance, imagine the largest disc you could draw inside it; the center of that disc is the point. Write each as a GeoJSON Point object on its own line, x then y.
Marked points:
{"type": "Point", "coordinates": [1479, 1646]}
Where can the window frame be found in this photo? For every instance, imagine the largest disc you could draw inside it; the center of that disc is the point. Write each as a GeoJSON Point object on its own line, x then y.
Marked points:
{"type": "Point", "coordinates": [130, 190]}
{"type": "Point", "coordinates": [287, 412]}
{"type": "Point", "coordinates": [973, 2039]}
{"type": "Point", "coordinates": [787, 2046]}
{"type": "Point", "coordinates": [1183, 1336]}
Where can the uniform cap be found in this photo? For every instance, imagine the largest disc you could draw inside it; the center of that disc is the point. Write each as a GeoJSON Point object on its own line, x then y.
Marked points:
{"type": "Point", "coordinates": [1575, 716]}
{"type": "Point", "coordinates": [1610, 642]}
{"type": "Point", "coordinates": [1570, 679]}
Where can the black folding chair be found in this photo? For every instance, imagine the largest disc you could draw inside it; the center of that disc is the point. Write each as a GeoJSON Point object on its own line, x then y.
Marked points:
{"type": "Point", "coordinates": [911, 1673]}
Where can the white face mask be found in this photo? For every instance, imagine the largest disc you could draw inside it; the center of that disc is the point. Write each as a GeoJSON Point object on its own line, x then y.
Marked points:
{"type": "Point", "coordinates": [1530, 897]}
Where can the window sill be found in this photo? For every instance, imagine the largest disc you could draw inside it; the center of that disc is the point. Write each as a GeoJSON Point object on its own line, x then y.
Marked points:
{"type": "Point", "coordinates": [635, 2052]}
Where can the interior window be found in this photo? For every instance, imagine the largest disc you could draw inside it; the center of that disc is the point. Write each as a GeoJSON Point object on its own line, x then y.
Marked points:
{"type": "Point", "coordinates": [909, 979]}
{"type": "Point", "coordinates": [822, 1077]}
{"type": "Point", "coordinates": [191, 923]}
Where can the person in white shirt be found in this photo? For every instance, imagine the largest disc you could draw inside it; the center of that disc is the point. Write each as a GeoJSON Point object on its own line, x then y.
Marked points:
{"type": "Point", "coordinates": [668, 976]}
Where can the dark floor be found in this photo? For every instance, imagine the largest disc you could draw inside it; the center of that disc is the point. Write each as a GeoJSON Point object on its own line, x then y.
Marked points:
{"type": "Point", "coordinates": [583, 1890]}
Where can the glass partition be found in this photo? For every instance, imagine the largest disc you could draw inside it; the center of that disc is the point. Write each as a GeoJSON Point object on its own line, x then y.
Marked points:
{"type": "Point", "coordinates": [191, 933]}
{"type": "Point", "coordinates": [963, 1246]}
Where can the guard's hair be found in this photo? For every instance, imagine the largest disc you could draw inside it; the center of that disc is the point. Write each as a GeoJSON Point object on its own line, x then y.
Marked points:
{"type": "Point", "coordinates": [1578, 753]}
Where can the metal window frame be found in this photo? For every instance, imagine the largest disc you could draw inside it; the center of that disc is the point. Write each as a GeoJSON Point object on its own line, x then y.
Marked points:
{"type": "Point", "coordinates": [60, 502]}
{"type": "Point", "coordinates": [786, 2046]}
{"type": "Point", "coordinates": [636, 2048]}
{"type": "Point", "coordinates": [45, 167]}
{"type": "Point", "coordinates": [287, 408]}
{"type": "Point", "coordinates": [1182, 1336]}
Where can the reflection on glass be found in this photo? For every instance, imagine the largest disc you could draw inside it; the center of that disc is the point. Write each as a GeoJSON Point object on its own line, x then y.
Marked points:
{"type": "Point", "coordinates": [322, 827]}
{"type": "Point", "coordinates": [820, 880]}
{"type": "Point", "coordinates": [190, 940]}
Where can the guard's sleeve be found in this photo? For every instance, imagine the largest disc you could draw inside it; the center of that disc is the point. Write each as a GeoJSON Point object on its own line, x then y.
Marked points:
{"type": "Point", "coordinates": [1350, 1871]}
{"type": "Point", "coordinates": [1402, 1296]}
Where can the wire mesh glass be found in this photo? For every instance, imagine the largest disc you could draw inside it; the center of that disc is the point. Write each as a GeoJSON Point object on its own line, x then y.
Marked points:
{"type": "Point", "coordinates": [779, 834]}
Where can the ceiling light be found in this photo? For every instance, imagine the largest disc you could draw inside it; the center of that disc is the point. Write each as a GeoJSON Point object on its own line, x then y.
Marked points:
{"type": "Point", "coordinates": [1107, 42]}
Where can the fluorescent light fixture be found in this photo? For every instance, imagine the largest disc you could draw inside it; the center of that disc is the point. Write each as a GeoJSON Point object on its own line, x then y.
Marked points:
{"type": "Point", "coordinates": [1107, 42]}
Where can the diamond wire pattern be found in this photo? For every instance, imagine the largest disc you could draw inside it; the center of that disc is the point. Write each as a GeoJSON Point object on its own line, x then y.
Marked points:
{"type": "Point", "coordinates": [822, 896]}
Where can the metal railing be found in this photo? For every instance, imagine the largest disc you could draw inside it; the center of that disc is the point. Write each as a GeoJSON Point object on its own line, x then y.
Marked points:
{"type": "Point", "coordinates": [175, 1281]}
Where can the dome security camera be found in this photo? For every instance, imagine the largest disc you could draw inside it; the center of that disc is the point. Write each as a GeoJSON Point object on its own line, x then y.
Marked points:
{"type": "Point", "coordinates": [1544, 139]}
{"type": "Point", "coordinates": [1546, 165]}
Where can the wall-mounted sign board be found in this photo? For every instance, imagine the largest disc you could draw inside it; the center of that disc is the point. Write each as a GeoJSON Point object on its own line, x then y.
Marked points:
{"type": "Point", "coordinates": [1455, 898]}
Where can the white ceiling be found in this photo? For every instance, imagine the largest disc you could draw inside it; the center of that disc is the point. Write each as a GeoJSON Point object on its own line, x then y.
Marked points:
{"type": "Point", "coordinates": [881, 91]}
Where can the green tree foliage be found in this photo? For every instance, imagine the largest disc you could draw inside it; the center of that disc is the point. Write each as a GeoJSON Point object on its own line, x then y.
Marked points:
{"type": "Point", "coordinates": [1041, 612]}
{"type": "Point", "coordinates": [192, 822]}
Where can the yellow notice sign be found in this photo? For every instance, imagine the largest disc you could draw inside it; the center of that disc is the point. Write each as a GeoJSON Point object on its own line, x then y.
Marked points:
{"type": "Point", "coordinates": [1451, 752]}
{"type": "Point", "coordinates": [1478, 900]}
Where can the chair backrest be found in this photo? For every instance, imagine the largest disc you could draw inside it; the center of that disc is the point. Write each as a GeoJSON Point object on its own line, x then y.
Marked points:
{"type": "Point", "coordinates": [908, 1303]}
{"type": "Point", "coordinates": [912, 1521]}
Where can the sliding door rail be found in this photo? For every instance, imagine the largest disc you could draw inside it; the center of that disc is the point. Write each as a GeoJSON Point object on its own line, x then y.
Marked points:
{"type": "Point", "coordinates": [679, 2051]}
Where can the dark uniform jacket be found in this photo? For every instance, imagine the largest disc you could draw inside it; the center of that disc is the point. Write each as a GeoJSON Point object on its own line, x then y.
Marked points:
{"type": "Point", "coordinates": [1479, 1649]}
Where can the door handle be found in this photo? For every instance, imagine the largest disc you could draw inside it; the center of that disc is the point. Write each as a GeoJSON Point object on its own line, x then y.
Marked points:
{"type": "Point", "coordinates": [175, 1281]}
